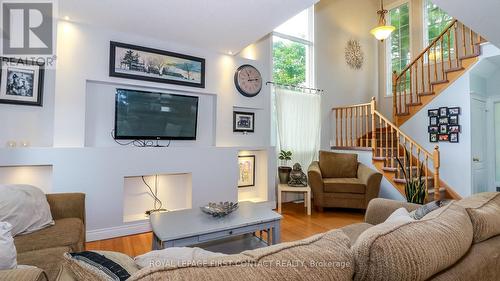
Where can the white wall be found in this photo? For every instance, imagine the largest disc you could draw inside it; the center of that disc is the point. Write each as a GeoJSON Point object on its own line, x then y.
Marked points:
{"type": "Point", "coordinates": [455, 157]}
{"type": "Point", "coordinates": [337, 22]}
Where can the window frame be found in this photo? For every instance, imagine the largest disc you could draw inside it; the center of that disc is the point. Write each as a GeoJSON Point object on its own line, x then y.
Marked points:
{"type": "Point", "coordinates": [387, 43]}
{"type": "Point", "coordinates": [425, 39]}
{"type": "Point", "coordinates": [310, 65]}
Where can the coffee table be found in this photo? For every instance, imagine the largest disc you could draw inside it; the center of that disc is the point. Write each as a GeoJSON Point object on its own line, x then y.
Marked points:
{"type": "Point", "coordinates": [193, 227]}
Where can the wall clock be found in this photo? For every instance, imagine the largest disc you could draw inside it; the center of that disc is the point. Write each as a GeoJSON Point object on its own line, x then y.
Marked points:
{"type": "Point", "coordinates": [248, 80]}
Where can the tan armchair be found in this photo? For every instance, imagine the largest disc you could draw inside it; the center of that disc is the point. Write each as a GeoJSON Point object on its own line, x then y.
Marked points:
{"type": "Point", "coordinates": [338, 180]}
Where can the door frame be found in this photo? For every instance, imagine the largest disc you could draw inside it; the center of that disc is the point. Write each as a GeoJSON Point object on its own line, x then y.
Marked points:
{"type": "Point", "coordinates": [490, 119]}
{"type": "Point", "coordinates": [486, 100]}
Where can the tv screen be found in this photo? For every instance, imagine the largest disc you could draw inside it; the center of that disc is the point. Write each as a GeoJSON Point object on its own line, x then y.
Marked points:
{"type": "Point", "coordinates": [149, 115]}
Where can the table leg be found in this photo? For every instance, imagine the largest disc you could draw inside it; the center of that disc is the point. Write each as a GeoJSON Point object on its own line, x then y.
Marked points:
{"type": "Point", "coordinates": [305, 200]}
{"type": "Point", "coordinates": [279, 200]}
{"type": "Point", "coordinates": [308, 198]}
{"type": "Point", "coordinates": [276, 232]}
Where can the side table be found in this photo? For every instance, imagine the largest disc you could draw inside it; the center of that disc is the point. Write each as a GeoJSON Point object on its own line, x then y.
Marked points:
{"type": "Point", "coordinates": [302, 189]}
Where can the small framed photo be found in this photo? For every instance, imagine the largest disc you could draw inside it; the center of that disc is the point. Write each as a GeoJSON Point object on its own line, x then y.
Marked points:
{"type": "Point", "coordinates": [454, 137]}
{"type": "Point", "coordinates": [243, 121]}
{"type": "Point", "coordinates": [433, 137]}
{"type": "Point", "coordinates": [247, 171]}
{"type": "Point", "coordinates": [433, 112]}
{"type": "Point", "coordinates": [21, 82]}
{"type": "Point", "coordinates": [454, 128]}
{"type": "Point", "coordinates": [453, 120]}
{"type": "Point", "coordinates": [443, 111]}
{"type": "Point", "coordinates": [443, 129]}
{"type": "Point", "coordinates": [454, 111]}
{"type": "Point", "coordinates": [433, 129]}
{"type": "Point", "coordinates": [443, 121]}
{"type": "Point", "coordinates": [433, 121]}
{"type": "Point", "coordinates": [444, 137]}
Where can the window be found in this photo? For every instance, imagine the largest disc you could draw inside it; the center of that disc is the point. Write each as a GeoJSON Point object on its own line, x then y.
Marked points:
{"type": "Point", "coordinates": [435, 21]}
{"type": "Point", "coordinates": [398, 45]}
{"type": "Point", "coordinates": [293, 50]}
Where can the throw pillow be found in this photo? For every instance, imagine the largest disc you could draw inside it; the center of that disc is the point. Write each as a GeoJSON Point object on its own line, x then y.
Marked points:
{"type": "Point", "coordinates": [99, 266]}
{"type": "Point", "coordinates": [175, 256]}
{"type": "Point", "coordinates": [484, 212]}
{"type": "Point", "coordinates": [8, 253]}
{"type": "Point", "coordinates": [400, 215]}
{"type": "Point", "coordinates": [25, 207]}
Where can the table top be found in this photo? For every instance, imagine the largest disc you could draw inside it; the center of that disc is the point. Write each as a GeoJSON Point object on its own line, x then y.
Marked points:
{"type": "Point", "coordinates": [286, 187]}
{"type": "Point", "coordinates": [192, 222]}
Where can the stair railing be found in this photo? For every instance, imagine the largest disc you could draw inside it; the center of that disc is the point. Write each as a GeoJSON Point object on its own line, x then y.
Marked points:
{"type": "Point", "coordinates": [363, 127]}
{"type": "Point", "coordinates": [443, 55]}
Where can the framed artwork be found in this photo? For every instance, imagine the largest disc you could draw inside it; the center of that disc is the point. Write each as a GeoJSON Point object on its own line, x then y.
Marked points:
{"type": "Point", "coordinates": [433, 112]}
{"type": "Point", "coordinates": [443, 111]}
{"type": "Point", "coordinates": [454, 137]}
{"type": "Point", "coordinates": [247, 171]}
{"type": "Point", "coordinates": [443, 120]}
{"type": "Point", "coordinates": [443, 129]}
{"type": "Point", "coordinates": [433, 129]}
{"type": "Point", "coordinates": [454, 128]}
{"type": "Point", "coordinates": [444, 137]}
{"type": "Point", "coordinates": [454, 120]}
{"type": "Point", "coordinates": [433, 121]}
{"type": "Point", "coordinates": [454, 111]}
{"type": "Point", "coordinates": [147, 64]}
{"type": "Point", "coordinates": [433, 137]}
{"type": "Point", "coordinates": [21, 82]}
{"type": "Point", "coordinates": [243, 121]}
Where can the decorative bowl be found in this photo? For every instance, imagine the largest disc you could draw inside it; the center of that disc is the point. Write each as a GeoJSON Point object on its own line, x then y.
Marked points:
{"type": "Point", "coordinates": [219, 210]}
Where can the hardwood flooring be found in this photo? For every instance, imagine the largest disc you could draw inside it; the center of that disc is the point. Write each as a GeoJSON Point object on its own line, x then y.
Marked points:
{"type": "Point", "coordinates": [296, 224]}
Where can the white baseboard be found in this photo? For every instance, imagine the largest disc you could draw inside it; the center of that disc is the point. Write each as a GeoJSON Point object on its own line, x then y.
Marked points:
{"type": "Point", "coordinates": [117, 231]}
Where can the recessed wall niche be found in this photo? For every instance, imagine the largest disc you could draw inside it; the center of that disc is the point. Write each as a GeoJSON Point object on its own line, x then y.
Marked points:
{"type": "Point", "coordinates": [39, 176]}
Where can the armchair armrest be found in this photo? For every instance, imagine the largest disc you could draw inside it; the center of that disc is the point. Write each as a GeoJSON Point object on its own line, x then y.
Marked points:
{"type": "Point", "coordinates": [67, 205]}
{"type": "Point", "coordinates": [315, 177]}
{"type": "Point", "coordinates": [371, 179]}
{"type": "Point", "coordinates": [24, 274]}
{"type": "Point", "coordinates": [379, 209]}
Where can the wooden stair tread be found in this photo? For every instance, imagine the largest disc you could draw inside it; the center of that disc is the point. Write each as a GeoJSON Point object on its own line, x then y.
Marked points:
{"type": "Point", "coordinates": [474, 55]}
{"type": "Point", "coordinates": [426, 94]}
{"type": "Point", "coordinates": [453, 69]}
{"type": "Point", "coordinates": [439, 82]}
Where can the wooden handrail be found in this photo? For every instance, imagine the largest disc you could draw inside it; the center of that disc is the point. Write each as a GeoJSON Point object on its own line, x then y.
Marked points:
{"type": "Point", "coordinates": [350, 106]}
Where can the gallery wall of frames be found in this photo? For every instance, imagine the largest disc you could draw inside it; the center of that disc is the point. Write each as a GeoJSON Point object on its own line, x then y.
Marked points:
{"type": "Point", "coordinates": [444, 124]}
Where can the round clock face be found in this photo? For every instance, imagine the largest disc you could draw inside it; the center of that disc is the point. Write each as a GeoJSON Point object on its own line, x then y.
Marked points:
{"type": "Point", "coordinates": [248, 80]}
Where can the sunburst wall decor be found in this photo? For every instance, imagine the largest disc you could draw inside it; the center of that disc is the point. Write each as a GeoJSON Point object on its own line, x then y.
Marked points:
{"type": "Point", "coordinates": [354, 56]}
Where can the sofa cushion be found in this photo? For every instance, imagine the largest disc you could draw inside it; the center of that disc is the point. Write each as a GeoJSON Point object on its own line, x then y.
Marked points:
{"type": "Point", "coordinates": [413, 250]}
{"type": "Point", "coordinates": [50, 260]}
{"type": "Point", "coordinates": [353, 231]}
{"type": "Point", "coordinates": [344, 185]}
{"type": "Point", "coordinates": [484, 212]}
{"type": "Point", "coordinates": [338, 165]}
{"type": "Point", "coordinates": [65, 232]}
{"type": "Point", "coordinates": [325, 256]}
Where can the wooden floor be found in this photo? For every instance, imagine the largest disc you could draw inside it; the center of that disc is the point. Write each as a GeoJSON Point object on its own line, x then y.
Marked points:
{"type": "Point", "coordinates": [294, 226]}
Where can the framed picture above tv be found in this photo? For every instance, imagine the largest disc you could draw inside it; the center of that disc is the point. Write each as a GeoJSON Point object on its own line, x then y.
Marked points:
{"type": "Point", "coordinates": [147, 64]}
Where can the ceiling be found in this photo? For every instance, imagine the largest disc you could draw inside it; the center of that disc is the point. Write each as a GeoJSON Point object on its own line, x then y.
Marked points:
{"type": "Point", "coordinates": [220, 25]}
{"type": "Point", "coordinates": [480, 15]}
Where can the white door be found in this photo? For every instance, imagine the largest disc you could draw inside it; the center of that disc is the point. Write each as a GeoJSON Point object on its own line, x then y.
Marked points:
{"type": "Point", "coordinates": [479, 143]}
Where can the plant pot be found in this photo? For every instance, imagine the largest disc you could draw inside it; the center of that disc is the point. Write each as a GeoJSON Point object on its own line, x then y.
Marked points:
{"type": "Point", "coordinates": [284, 174]}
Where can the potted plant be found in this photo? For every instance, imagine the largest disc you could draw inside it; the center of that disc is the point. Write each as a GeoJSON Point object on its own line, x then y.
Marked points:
{"type": "Point", "coordinates": [414, 187]}
{"type": "Point", "coordinates": [284, 170]}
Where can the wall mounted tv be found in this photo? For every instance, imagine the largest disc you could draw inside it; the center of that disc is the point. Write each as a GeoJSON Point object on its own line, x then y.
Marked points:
{"type": "Point", "coordinates": [141, 115]}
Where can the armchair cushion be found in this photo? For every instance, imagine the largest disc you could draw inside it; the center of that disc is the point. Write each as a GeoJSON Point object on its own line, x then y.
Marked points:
{"type": "Point", "coordinates": [344, 185]}
{"type": "Point", "coordinates": [338, 165]}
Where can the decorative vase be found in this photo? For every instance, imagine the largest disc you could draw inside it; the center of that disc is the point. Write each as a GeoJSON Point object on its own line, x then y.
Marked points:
{"type": "Point", "coordinates": [284, 174]}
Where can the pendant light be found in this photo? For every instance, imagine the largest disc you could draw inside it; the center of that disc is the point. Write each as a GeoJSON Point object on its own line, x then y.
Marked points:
{"type": "Point", "coordinates": [382, 31]}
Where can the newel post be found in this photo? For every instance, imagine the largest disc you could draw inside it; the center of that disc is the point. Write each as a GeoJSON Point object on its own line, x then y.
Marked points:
{"type": "Point", "coordinates": [373, 107]}
{"type": "Point", "coordinates": [394, 96]}
{"type": "Point", "coordinates": [437, 183]}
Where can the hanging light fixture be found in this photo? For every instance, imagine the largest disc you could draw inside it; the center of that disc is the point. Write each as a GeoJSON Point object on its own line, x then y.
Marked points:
{"type": "Point", "coordinates": [382, 31]}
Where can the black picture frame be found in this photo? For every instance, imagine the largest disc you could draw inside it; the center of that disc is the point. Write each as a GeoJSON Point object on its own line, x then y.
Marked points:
{"type": "Point", "coordinates": [433, 121]}
{"type": "Point", "coordinates": [433, 138]}
{"type": "Point", "coordinates": [454, 111]}
{"type": "Point", "coordinates": [433, 129]}
{"type": "Point", "coordinates": [156, 77]}
{"type": "Point", "coordinates": [444, 137]}
{"type": "Point", "coordinates": [20, 65]}
{"type": "Point", "coordinates": [454, 129]}
{"type": "Point", "coordinates": [454, 138]}
{"type": "Point", "coordinates": [433, 112]}
{"type": "Point", "coordinates": [443, 120]}
{"type": "Point", "coordinates": [453, 120]}
{"type": "Point", "coordinates": [443, 129]}
{"type": "Point", "coordinates": [252, 177]}
{"type": "Point", "coordinates": [443, 111]}
{"type": "Point", "coordinates": [238, 126]}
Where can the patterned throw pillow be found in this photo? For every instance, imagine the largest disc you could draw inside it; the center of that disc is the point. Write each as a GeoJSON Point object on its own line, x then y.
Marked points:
{"type": "Point", "coordinates": [427, 208]}
{"type": "Point", "coordinates": [100, 265]}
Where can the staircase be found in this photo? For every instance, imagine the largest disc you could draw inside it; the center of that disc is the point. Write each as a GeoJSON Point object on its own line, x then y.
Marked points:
{"type": "Point", "coordinates": [450, 55]}
{"type": "Point", "coordinates": [362, 127]}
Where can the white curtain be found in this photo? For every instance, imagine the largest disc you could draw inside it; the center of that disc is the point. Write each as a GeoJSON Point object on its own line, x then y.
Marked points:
{"type": "Point", "coordinates": [298, 124]}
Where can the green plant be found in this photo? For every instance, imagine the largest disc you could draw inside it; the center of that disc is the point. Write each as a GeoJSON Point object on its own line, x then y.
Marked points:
{"type": "Point", "coordinates": [415, 186]}
{"type": "Point", "coordinates": [285, 156]}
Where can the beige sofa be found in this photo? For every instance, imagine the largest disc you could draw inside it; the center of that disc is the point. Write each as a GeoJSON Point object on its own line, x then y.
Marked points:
{"type": "Point", "coordinates": [45, 248]}
{"type": "Point", "coordinates": [338, 180]}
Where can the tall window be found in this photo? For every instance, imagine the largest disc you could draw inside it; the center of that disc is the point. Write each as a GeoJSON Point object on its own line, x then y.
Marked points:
{"type": "Point", "coordinates": [293, 50]}
{"type": "Point", "coordinates": [398, 45]}
{"type": "Point", "coordinates": [435, 21]}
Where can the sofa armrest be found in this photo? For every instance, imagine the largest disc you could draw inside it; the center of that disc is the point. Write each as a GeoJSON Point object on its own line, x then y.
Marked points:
{"type": "Point", "coordinates": [315, 177]}
{"type": "Point", "coordinates": [379, 209]}
{"type": "Point", "coordinates": [67, 205]}
{"type": "Point", "coordinates": [24, 274]}
{"type": "Point", "coordinates": [371, 179]}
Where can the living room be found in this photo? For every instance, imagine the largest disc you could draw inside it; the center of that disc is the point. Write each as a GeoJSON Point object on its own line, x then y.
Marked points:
{"type": "Point", "coordinates": [183, 140]}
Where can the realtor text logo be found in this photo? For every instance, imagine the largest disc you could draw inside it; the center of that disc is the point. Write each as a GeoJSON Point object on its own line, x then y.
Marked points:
{"type": "Point", "coordinates": [27, 28]}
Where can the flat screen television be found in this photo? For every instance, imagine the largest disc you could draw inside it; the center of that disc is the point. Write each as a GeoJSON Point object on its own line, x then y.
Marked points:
{"type": "Point", "coordinates": [141, 115]}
